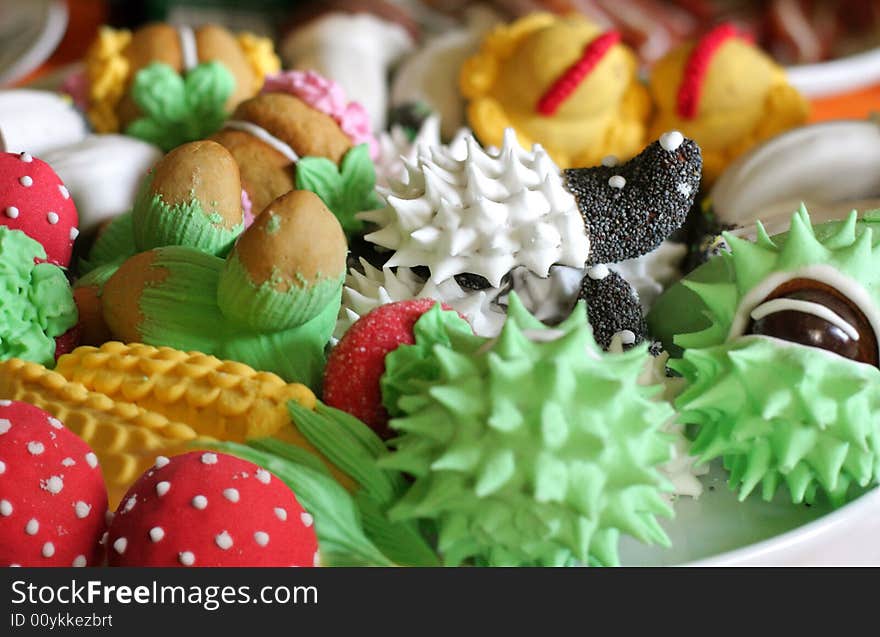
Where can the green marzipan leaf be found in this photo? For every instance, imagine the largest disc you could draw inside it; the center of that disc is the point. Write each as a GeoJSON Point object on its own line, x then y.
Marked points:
{"type": "Point", "coordinates": [400, 541]}
{"type": "Point", "coordinates": [342, 541]}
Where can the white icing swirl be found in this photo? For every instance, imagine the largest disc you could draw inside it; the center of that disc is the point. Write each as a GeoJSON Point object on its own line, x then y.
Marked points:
{"type": "Point", "coordinates": [806, 307]}
{"type": "Point", "coordinates": [264, 136]}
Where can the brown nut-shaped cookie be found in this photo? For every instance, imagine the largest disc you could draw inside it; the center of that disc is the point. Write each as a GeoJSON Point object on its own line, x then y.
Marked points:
{"type": "Point", "coordinates": [286, 267]}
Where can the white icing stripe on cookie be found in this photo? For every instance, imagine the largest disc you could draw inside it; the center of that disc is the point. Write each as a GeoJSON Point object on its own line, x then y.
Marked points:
{"type": "Point", "coordinates": [263, 135]}
{"type": "Point", "coordinates": [806, 307]}
{"type": "Point", "coordinates": [188, 49]}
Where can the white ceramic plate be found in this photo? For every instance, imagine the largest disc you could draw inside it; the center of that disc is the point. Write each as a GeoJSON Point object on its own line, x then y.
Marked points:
{"type": "Point", "coordinates": [30, 30]}
{"type": "Point", "coordinates": [718, 530]}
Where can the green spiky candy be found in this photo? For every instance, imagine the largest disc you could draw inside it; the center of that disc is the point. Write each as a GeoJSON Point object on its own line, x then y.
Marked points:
{"type": "Point", "coordinates": [779, 412]}
{"type": "Point", "coordinates": [535, 448]}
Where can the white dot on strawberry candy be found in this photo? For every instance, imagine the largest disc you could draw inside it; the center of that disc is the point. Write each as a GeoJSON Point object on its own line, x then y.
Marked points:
{"type": "Point", "coordinates": [120, 545]}
{"type": "Point", "coordinates": [2, 467]}
{"type": "Point", "coordinates": [231, 494]}
{"type": "Point", "coordinates": [25, 157]}
{"type": "Point", "coordinates": [82, 509]}
{"type": "Point", "coordinates": [104, 538]}
{"type": "Point", "coordinates": [48, 549]}
{"type": "Point", "coordinates": [263, 476]}
{"type": "Point", "coordinates": [187, 558]}
{"type": "Point", "coordinates": [63, 190]}
{"type": "Point", "coordinates": [74, 233]}
{"type": "Point", "coordinates": [224, 540]}
{"type": "Point", "coordinates": [32, 527]}
{"type": "Point", "coordinates": [5, 508]}
{"type": "Point", "coordinates": [53, 485]}
{"type": "Point", "coordinates": [79, 561]}
{"type": "Point", "coordinates": [92, 459]}
{"type": "Point", "coordinates": [5, 425]}
{"type": "Point", "coordinates": [5, 403]}
{"type": "Point", "coordinates": [68, 462]}
{"type": "Point", "coordinates": [35, 448]}
{"type": "Point", "coordinates": [157, 533]}
{"type": "Point", "coordinates": [52, 217]}
{"type": "Point", "coordinates": [26, 181]}
{"type": "Point", "coordinates": [55, 423]}
{"type": "Point", "coordinates": [306, 519]}
{"type": "Point", "coordinates": [261, 538]}
{"type": "Point", "coordinates": [617, 181]}
{"type": "Point", "coordinates": [12, 212]}
{"type": "Point", "coordinates": [281, 514]}
{"type": "Point", "coordinates": [200, 502]}
{"type": "Point", "coordinates": [129, 504]}
{"type": "Point", "coordinates": [317, 559]}
{"type": "Point", "coordinates": [209, 458]}
{"type": "Point", "coordinates": [161, 461]}
{"type": "Point", "coordinates": [162, 488]}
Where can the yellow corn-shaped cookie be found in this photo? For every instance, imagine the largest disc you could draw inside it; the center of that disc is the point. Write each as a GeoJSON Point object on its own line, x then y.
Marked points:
{"type": "Point", "coordinates": [125, 437]}
{"type": "Point", "coordinates": [225, 400]}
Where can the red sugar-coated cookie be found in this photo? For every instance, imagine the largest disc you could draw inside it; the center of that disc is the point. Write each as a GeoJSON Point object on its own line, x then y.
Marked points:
{"type": "Point", "coordinates": [697, 66]}
{"type": "Point", "coordinates": [52, 495]}
{"type": "Point", "coordinates": [210, 509]}
{"type": "Point", "coordinates": [356, 364]}
{"type": "Point", "coordinates": [33, 199]}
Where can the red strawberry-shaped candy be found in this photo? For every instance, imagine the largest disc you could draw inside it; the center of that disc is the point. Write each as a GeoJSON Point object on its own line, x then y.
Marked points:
{"type": "Point", "coordinates": [356, 364]}
{"type": "Point", "coordinates": [68, 341]}
{"type": "Point", "coordinates": [33, 199]}
{"type": "Point", "coordinates": [52, 494]}
{"type": "Point", "coordinates": [210, 509]}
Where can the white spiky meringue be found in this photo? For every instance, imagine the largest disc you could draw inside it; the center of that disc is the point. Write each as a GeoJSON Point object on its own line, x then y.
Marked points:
{"type": "Point", "coordinates": [484, 214]}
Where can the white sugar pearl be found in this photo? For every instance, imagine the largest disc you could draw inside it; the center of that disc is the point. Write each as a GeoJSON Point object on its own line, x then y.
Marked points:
{"type": "Point", "coordinates": [617, 181]}
{"type": "Point", "coordinates": [35, 448]}
{"type": "Point", "coordinates": [671, 140]}
{"type": "Point", "coordinates": [231, 494]}
{"type": "Point", "coordinates": [306, 519]}
{"type": "Point", "coordinates": [200, 502]}
{"type": "Point", "coordinates": [92, 459]}
{"type": "Point", "coordinates": [12, 212]}
{"type": "Point", "coordinates": [627, 337]}
{"type": "Point", "coordinates": [261, 538]}
{"type": "Point", "coordinates": [224, 540]}
{"type": "Point", "coordinates": [5, 508]}
{"type": "Point", "coordinates": [610, 161]}
{"type": "Point", "coordinates": [82, 509]}
{"type": "Point", "coordinates": [263, 476]}
{"type": "Point", "coordinates": [120, 545]}
{"type": "Point", "coordinates": [162, 488]}
{"type": "Point", "coordinates": [54, 485]}
{"type": "Point", "coordinates": [26, 181]}
{"type": "Point", "coordinates": [281, 514]}
{"type": "Point", "coordinates": [209, 458]}
{"type": "Point", "coordinates": [25, 157]}
{"type": "Point", "coordinates": [79, 561]}
{"type": "Point", "coordinates": [598, 272]}
{"type": "Point", "coordinates": [161, 461]}
{"type": "Point", "coordinates": [157, 533]}
{"type": "Point", "coordinates": [187, 558]}
{"type": "Point", "coordinates": [52, 217]}
{"type": "Point", "coordinates": [48, 549]}
{"type": "Point", "coordinates": [32, 527]}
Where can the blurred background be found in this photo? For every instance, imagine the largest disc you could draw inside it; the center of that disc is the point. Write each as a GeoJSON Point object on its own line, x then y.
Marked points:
{"type": "Point", "coordinates": [831, 49]}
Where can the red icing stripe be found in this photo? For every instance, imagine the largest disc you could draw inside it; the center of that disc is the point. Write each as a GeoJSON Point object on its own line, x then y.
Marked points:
{"type": "Point", "coordinates": [563, 87]}
{"type": "Point", "coordinates": [697, 66]}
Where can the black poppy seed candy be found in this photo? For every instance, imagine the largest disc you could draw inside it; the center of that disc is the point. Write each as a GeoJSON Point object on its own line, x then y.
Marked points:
{"type": "Point", "coordinates": [612, 307]}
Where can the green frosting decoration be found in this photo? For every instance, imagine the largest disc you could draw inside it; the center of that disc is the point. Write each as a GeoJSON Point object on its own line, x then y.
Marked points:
{"type": "Point", "coordinates": [780, 412]}
{"type": "Point", "coordinates": [114, 244]}
{"type": "Point", "coordinates": [352, 529]}
{"type": "Point", "coordinates": [36, 302]}
{"type": "Point", "coordinates": [156, 224]}
{"type": "Point", "coordinates": [178, 110]}
{"type": "Point", "coordinates": [182, 312]}
{"type": "Point", "coordinates": [535, 448]}
{"type": "Point", "coordinates": [265, 307]}
{"type": "Point", "coordinates": [346, 190]}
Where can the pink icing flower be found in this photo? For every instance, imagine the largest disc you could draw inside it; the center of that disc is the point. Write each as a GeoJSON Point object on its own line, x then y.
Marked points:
{"type": "Point", "coordinates": [247, 209]}
{"type": "Point", "coordinates": [328, 97]}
